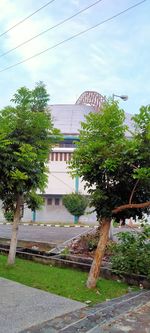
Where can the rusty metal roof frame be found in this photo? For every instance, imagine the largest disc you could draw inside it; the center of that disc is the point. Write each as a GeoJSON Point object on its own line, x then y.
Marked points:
{"type": "Point", "coordinates": [93, 98]}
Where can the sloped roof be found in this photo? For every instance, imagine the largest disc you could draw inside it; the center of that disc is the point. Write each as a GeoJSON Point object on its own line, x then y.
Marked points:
{"type": "Point", "coordinates": [68, 117]}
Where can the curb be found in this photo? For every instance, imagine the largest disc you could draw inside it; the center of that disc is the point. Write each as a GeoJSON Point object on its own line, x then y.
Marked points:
{"type": "Point", "coordinates": [53, 225]}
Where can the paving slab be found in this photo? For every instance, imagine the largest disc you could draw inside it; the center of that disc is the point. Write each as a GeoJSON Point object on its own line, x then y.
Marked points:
{"type": "Point", "coordinates": [123, 314]}
{"type": "Point", "coordinates": [22, 307]}
{"type": "Point", "coordinates": [137, 321]}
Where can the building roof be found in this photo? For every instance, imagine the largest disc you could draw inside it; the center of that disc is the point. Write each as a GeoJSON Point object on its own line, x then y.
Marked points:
{"type": "Point", "coordinates": [68, 117]}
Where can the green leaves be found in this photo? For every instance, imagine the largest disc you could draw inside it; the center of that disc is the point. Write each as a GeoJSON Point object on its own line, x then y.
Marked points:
{"type": "Point", "coordinates": [26, 155]}
{"type": "Point", "coordinates": [27, 136]}
{"type": "Point", "coordinates": [132, 253]}
{"type": "Point", "coordinates": [142, 121]}
{"type": "Point", "coordinates": [142, 173]}
{"type": "Point", "coordinates": [109, 163]}
{"type": "Point", "coordinates": [18, 175]}
{"type": "Point", "coordinates": [75, 203]}
{"type": "Point", "coordinates": [34, 201]}
{"type": "Point", "coordinates": [34, 100]}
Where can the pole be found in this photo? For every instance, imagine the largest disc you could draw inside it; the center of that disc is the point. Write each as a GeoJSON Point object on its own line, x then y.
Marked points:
{"type": "Point", "coordinates": [76, 191]}
{"type": "Point", "coordinates": [33, 215]}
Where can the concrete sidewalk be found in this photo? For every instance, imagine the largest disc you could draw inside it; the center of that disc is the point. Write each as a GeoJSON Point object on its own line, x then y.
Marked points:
{"type": "Point", "coordinates": [28, 310]}
{"type": "Point", "coordinates": [22, 307]}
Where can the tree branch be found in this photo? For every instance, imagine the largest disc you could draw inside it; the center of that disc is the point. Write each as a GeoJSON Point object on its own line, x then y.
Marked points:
{"type": "Point", "coordinates": [134, 166]}
{"type": "Point", "coordinates": [131, 196]}
{"type": "Point", "coordinates": [131, 206]}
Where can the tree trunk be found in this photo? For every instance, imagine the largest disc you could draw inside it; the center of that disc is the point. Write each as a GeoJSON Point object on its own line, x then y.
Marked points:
{"type": "Point", "coordinates": [13, 242]}
{"type": "Point", "coordinates": [96, 265]}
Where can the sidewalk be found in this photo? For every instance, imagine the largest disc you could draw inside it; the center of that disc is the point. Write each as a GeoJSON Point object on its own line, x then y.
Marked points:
{"type": "Point", "coordinates": [22, 307]}
{"type": "Point", "coordinates": [136, 321]}
{"type": "Point", "coordinates": [129, 313]}
{"type": "Point", "coordinates": [28, 310]}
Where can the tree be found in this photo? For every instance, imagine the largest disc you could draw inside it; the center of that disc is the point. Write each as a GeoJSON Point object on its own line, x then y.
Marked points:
{"type": "Point", "coordinates": [75, 203]}
{"type": "Point", "coordinates": [26, 138]}
{"type": "Point", "coordinates": [115, 169]}
{"type": "Point", "coordinates": [34, 201]}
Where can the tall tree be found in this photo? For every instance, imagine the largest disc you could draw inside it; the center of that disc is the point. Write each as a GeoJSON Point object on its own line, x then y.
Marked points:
{"type": "Point", "coordinates": [115, 169]}
{"type": "Point", "coordinates": [26, 138]}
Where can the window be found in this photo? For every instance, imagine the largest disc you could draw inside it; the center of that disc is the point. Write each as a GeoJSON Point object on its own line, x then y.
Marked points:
{"type": "Point", "coordinates": [60, 156]}
{"type": "Point", "coordinates": [49, 201]}
{"type": "Point", "coordinates": [57, 201]}
{"type": "Point", "coordinates": [67, 145]}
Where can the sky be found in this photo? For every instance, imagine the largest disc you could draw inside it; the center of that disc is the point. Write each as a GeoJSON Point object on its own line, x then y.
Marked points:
{"type": "Point", "coordinates": [113, 58]}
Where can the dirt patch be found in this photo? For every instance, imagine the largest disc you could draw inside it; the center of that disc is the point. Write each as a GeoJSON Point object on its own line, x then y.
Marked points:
{"type": "Point", "coordinates": [86, 245]}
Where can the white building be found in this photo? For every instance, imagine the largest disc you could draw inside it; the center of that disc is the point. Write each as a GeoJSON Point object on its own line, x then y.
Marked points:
{"type": "Point", "coordinates": [67, 118]}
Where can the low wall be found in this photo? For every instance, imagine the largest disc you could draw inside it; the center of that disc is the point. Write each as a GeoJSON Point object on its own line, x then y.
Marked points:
{"type": "Point", "coordinates": [76, 262]}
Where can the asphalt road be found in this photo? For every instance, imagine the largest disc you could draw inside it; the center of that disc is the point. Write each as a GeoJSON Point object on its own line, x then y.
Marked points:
{"type": "Point", "coordinates": [46, 234]}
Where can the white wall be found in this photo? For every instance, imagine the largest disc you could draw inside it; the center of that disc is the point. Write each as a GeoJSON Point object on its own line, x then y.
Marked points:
{"type": "Point", "coordinates": [57, 214]}
{"type": "Point", "coordinates": [60, 180]}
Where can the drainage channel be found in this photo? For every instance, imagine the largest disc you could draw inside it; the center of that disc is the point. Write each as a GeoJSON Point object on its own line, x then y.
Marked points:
{"type": "Point", "coordinates": [50, 257]}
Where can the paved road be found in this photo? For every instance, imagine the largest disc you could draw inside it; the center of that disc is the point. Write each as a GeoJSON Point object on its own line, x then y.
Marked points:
{"type": "Point", "coordinates": [55, 235]}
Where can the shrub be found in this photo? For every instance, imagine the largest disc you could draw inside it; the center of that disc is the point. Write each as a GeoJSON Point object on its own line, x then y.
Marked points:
{"type": "Point", "coordinates": [75, 203]}
{"type": "Point", "coordinates": [92, 244]}
{"type": "Point", "coordinates": [132, 253]}
{"type": "Point", "coordinates": [9, 215]}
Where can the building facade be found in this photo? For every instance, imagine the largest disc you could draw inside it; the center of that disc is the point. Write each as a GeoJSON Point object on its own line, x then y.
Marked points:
{"type": "Point", "coordinates": [67, 118]}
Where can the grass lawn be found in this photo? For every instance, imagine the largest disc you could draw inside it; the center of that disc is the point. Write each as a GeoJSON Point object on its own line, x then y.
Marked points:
{"type": "Point", "coordinates": [66, 282]}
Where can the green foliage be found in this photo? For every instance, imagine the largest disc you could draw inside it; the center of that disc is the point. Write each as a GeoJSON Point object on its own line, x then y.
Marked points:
{"type": "Point", "coordinates": [132, 253]}
{"type": "Point", "coordinates": [115, 223]}
{"type": "Point", "coordinates": [112, 165]}
{"type": "Point", "coordinates": [75, 203]}
{"type": "Point", "coordinates": [92, 244]}
{"type": "Point", "coordinates": [142, 122]}
{"type": "Point", "coordinates": [65, 251]}
{"type": "Point", "coordinates": [26, 139]}
{"type": "Point", "coordinates": [9, 215]}
{"type": "Point", "coordinates": [34, 201]}
{"type": "Point", "coordinates": [142, 138]}
{"type": "Point", "coordinates": [35, 99]}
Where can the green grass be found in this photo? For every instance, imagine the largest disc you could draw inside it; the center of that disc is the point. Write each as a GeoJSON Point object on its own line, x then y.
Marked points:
{"type": "Point", "coordinates": [66, 282]}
